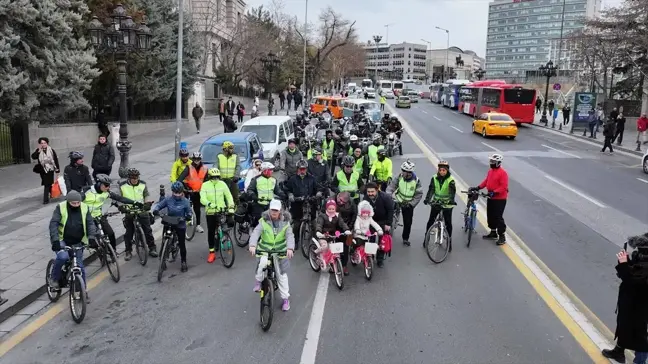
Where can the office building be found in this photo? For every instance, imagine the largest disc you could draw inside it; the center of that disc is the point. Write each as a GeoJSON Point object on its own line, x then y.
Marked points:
{"type": "Point", "coordinates": [462, 62]}
{"type": "Point", "coordinates": [521, 33]}
{"type": "Point", "coordinates": [395, 61]}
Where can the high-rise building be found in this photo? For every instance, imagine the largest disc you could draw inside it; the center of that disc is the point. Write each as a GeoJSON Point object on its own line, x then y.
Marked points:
{"type": "Point", "coordinates": [403, 60]}
{"type": "Point", "coordinates": [522, 34]}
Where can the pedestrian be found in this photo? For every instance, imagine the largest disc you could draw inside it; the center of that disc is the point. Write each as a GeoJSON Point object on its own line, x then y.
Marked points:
{"type": "Point", "coordinates": [221, 109]}
{"type": "Point", "coordinates": [551, 105]}
{"type": "Point", "coordinates": [76, 174]}
{"type": "Point", "coordinates": [47, 165]}
{"type": "Point", "coordinates": [256, 101]}
{"type": "Point", "coordinates": [366, 95]}
{"type": "Point", "coordinates": [103, 157]}
{"type": "Point", "coordinates": [632, 303]}
{"type": "Point", "coordinates": [289, 98]}
{"type": "Point", "coordinates": [240, 112]}
{"type": "Point", "coordinates": [383, 101]}
{"type": "Point", "coordinates": [297, 97]}
{"type": "Point", "coordinates": [538, 105]}
{"type": "Point", "coordinates": [620, 128]}
{"type": "Point", "coordinates": [228, 124]}
{"type": "Point", "coordinates": [197, 114]}
{"type": "Point", "coordinates": [566, 111]}
{"type": "Point", "coordinates": [270, 103]}
{"type": "Point", "coordinates": [592, 121]}
{"type": "Point", "coordinates": [101, 123]}
{"type": "Point", "coordinates": [282, 99]}
{"type": "Point", "coordinates": [642, 126]}
{"type": "Point", "coordinates": [608, 133]}
{"type": "Point", "coordinates": [230, 106]}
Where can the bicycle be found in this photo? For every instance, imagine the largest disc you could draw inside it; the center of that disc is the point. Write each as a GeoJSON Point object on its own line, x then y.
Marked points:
{"type": "Point", "coordinates": [139, 239]}
{"type": "Point", "coordinates": [305, 233]}
{"type": "Point", "coordinates": [224, 240]}
{"type": "Point", "coordinates": [191, 225]}
{"type": "Point", "coordinates": [331, 257]}
{"type": "Point", "coordinates": [269, 259]}
{"type": "Point", "coordinates": [397, 214]}
{"type": "Point", "coordinates": [470, 214]}
{"type": "Point", "coordinates": [365, 253]}
{"type": "Point", "coordinates": [441, 238]}
{"type": "Point", "coordinates": [105, 252]}
{"type": "Point", "coordinates": [242, 224]}
{"type": "Point", "coordinates": [72, 277]}
{"type": "Point", "coordinates": [170, 245]}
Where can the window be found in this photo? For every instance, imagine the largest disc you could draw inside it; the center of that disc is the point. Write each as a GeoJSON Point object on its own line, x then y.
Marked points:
{"type": "Point", "coordinates": [500, 118]}
{"type": "Point", "coordinates": [519, 96]}
{"type": "Point", "coordinates": [282, 132]}
{"type": "Point", "coordinates": [255, 146]}
{"type": "Point", "coordinates": [291, 131]}
{"type": "Point", "coordinates": [211, 151]}
{"type": "Point", "coordinates": [491, 97]}
{"type": "Point", "coordinates": [266, 133]}
{"type": "Point", "coordinates": [334, 103]}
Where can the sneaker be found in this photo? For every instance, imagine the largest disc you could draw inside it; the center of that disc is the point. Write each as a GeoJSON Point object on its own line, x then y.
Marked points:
{"type": "Point", "coordinates": [406, 242]}
{"type": "Point", "coordinates": [491, 235]}
{"type": "Point", "coordinates": [257, 286]}
{"type": "Point", "coordinates": [615, 354]}
{"type": "Point", "coordinates": [183, 267]}
{"type": "Point", "coordinates": [501, 240]}
{"type": "Point", "coordinates": [87, 298]}
{"type": "Point", "coordinates": [200, 229]}
{"type": "Point", "coordinates": [211, 257]}
{"type": "Point", "coordinates": [53, 284]}
{"type": "Point", "coordinates": [128, 256]}
{"type": "Point", "coordinates": [286, 305]}
{"type": "Point", "coordinates": [152, 252]}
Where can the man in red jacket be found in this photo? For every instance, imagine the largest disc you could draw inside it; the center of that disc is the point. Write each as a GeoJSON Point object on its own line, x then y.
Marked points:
{"type": "Point", "coordinates": [496, 182]}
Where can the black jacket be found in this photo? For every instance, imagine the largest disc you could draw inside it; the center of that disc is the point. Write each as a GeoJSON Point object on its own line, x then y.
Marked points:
{"type": "Point", "coordinates": [77, 177]}
{"type": "Point", "coordinates": [324, 225]}
{"type": "Point", "coordinates": [431, 190]}
{"type": "Point", "coordinates": [228, 125]}
{"type": "Point", "coordinates": [609, 128]}
{"type": "Point", "coordinates": [383, 207]}
{"type": "Point", "coordinates": [73, 232]}
{"type": "Point", "coordinates": [230, 107]}
{"type": "Point", "coordinates": [301, 187]}
{"type": "Point", "coordinates": [103, 157]}
{"type": "Point", "coordinates": [319, 171]}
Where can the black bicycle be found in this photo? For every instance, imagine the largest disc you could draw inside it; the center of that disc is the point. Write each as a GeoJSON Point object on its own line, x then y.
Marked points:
{"type": "Point", "coordinates": [170, 248]}
{"type": "Point", "coordinates": [191, 225]}
{"type": "Point", "coordinates": [269, 259]}
{"type": "Point", "coordinates": [305, 224]}
{"type": "Point", "coordinates": [132, 212]}
{"type": "Point", "coordinates": [242, 224]}
{"type": "Point", "coordinates": [437, 239]}
{"type": "Point", "coordinates": [226, 249]}
{"type": "Point", "coordinates": [72, 277]}
{"type": "Point", "coordinates": [105, 252]}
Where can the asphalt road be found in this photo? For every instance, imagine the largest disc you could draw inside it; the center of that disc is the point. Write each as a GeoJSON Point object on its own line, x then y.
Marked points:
{"type": "Point", "coordinates": [475, 307]}
{"type": "Point", "coordinates": [572, 205]}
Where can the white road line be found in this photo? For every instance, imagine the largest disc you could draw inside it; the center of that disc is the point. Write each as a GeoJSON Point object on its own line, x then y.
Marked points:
{"type": "Point", "coordinates": [455, 128]}
{"type": "Point", "coordinates": [561, 151]}
{"type": "Point", "coordinates": [642, 180]}
{"type": "Point", "coordinates": [572, 189]}
{"type": "Point", "coordinates": [309, 352]}
{"type": "Point", "coordinates": [492, 147]}
{"type": "Point", "coordinates": [436, 118]}
{"type": "Point", "coordinates": [423, 111]}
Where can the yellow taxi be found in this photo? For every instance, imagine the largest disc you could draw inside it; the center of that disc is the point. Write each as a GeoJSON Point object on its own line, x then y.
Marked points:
{"type": "Point", "coordinates": [495, 124]}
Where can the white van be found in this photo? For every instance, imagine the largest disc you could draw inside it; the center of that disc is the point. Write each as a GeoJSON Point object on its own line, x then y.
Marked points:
{"type": "Point", "coordinates": [273, 132]}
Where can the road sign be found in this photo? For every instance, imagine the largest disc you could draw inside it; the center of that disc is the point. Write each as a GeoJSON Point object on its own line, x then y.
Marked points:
{"type": "Point", "coordinates": [556, 87]}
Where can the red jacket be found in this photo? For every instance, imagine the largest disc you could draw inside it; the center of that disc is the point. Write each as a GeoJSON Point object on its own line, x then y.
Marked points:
{"type": "Point", "coordinates": [496, 181]}
{"type": "Point", "coordinates": [642, 124]}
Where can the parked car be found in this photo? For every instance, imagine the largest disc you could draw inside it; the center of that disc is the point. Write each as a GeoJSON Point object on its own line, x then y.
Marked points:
{"type": "Point", "coordinates": [413, 95]}
{"type": "Point", "coordinates": [645, 162]}
{"type": "Point", "coordinates": [389, 94]}
{"type": "Point", "coordinates": [247, 147]}
{"type": "Point", "coordinates": [273, 132]}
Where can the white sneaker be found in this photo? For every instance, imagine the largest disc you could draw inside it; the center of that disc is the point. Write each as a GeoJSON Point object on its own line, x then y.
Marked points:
{"type": "Point", "coordinates": [199, 229]}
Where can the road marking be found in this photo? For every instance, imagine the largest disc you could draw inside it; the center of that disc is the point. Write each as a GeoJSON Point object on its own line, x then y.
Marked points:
{"type": "Point", "coordinates": [586, 328]}
{"type": "Point", "coordinates": [424, 111]}
{"type": "Point", "coordinates": [492, 147]}
{"type": "Point", "coordinates": [455, 128]}
{"type": "Point", "coordinates": [436, 118]}
{"type": "Point", "coordinates": [561, 151]}
{"type": "Point", "coordinates": [572, 189]}
{"type": "Point", "coordinates": [642, 180]}
{"type": "Point", "coordinates": [309, 352]}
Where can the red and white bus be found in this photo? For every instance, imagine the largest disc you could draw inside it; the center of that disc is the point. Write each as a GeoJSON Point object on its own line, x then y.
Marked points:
{"type": "Point", "coordinates": [498, 96]}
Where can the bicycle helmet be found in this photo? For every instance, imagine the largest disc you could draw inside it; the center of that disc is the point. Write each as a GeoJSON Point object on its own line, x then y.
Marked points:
{"type": "Point", "coordinates": [76, 155]}
{"type": "Point", "coordinates": [183, 153]}
{"type": "Point", "coordinates": [386, 116]}
{"type": "Point", "coordinates": [381, 151]}
{"type": "Point", "coordinates": [177, 187]}
{"type": "Point", "coordinates": [103, 179]}
{"type": "Point", "coordinates": [348, 161]}
{"type": "Point", "coordinates": [444, 164]}
{"type": "Point", "coordinates": [495, 160]}
{"type": "Point", "coordinates": [133, 173]}
{"type": "Point", "coordinates": [213, 172]}
{"type": "Point", "coordinates": [353, 138]}
{"type": "Point", "coordinates": [408, 166]}
{"type": "Point", "coordinates": [228, 145]}
{"type": "Point", "coordinates": [196, 155]}
{"type": "Point", "coordinates": [302, 164]}
{"type": "Point", "coordinates": [317, 150]}
{"type": "Point", "coordinates": [266, 165]}
{"type": "Point", "coordinates": [394, 118]}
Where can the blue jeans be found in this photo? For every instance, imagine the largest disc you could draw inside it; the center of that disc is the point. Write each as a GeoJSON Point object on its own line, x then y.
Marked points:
{"type": "Point", "coordinates": [640, 357]}
{"type": "Point", "coordinates": [62, 257]}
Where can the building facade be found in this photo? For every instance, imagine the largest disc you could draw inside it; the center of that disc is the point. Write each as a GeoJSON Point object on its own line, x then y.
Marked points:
{"type": "Point", "coordinates": [398, 61]}
{"type": "Point", "coordinates": [462, 62]}
{"type": "Point", "coordinates": [522, 33]}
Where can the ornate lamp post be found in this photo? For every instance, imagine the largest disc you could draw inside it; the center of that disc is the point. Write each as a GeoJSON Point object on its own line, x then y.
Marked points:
{"type": "Point", "coordinates": [120, 38]}
{"type": "Point", "coordinates": [270, 64]}
{"type": "Point", "coordinates": [377, 39]}
{"type": "Point", "coordinates": [309, 76]}
{"type": "Point", "coordinates": [480, 73]}
{"type": "Point", "coordinates": [548, 70]}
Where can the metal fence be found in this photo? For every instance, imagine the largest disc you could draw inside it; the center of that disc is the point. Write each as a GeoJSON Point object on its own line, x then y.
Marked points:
{"type": "Point", "coordinates": [156, 110]}
{"type": "Point", "coordinates": [13, 143]}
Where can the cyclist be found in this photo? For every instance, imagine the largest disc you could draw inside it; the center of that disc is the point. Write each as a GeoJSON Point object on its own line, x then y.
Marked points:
{"type": "Point", "coordinates": [329, 223]}
{"type": "Point", "coordinates": [228, 164]}
{"type": "Point", "coordinates": [385, 119]}
{"type": "Point", "coordinates": [407, 192]}
{"type": "Point", "coordinates": [252, 173]}
{"type": "Point", "coordinates": [76, 174]}
{"type": "Point", "coordinates": [317, 168]}
{"type": "Point", "coordinates": [361, 163]}
{"type": "Point", "coordinates": [301, 185]}
{"type": "Point", "coordinates": [135, 189]}
{"type": "Point", "coordinates": [180, 164]}
{"type": "Point", "coordinates": [381, 170]}
{"type": "Point", "coordinates": [216, 197]}
{"type": "Point", "coordinates": [177, 205]}
{"type": "Point", "coordinates": [71, 224]}
{"type": "Point", "coordinates": [354, 144]}
{"type": "Point", "coordinates": [264, 187]}
{"type": "Point", "coordinates": [496, 182]}
{"type": "Point", "coordinates": [383, 206]}
{"type": "Point", "coordinates": [442, 189]}
{"type": "Point", "coordinates": [328, 146]}
{"type": "Point", "coordinates": [372, 150]}
{"type": "Point", "coordinates": [193, 176]}
{"type": "Point", "coordinates": [273, 233]}
{"type": "Point", "coordinates": [347, 180]}
{"type": "Point", "coordinates": [289, 158]}
{"type": "Point", "coordinates": [95, 198]}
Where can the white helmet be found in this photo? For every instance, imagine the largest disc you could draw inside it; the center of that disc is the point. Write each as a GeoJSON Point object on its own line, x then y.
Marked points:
{"type": "Point", "coordinates": [353, 138]}
{"type": "Point", "coordinates": [196, 155]}
{"type": "Point", "coordinates": [266, 165]}
{"type": "Point", "coordinates": [408, 166]}
{"type": "Point", "coordinates": [496, 160]}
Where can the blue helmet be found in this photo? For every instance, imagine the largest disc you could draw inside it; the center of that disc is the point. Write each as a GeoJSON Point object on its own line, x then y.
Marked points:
{"type": "Point", "coordinates": [177, 187]}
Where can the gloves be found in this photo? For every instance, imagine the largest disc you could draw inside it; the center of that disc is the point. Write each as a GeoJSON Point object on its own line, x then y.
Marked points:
{"type": "Point", "coordinates": [93, 243]}
{"type": "Point", "coordinates": [56, 246]}
{"type": "Point", "coordinates": [319, 235]}
{"type": "Point", "coordinates": [491, 194]}
{"type": "Point", "coordinates": [156, 213]}
{"type": "Point", "coordinates": [139, 205]}
{"type": "Point", "coordinates": [211, 205]}
{"type": "Point", "coordinates": [291, 197]}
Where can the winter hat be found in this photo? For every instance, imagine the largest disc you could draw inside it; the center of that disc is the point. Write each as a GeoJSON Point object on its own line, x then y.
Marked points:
{"type": "Point", "coordinates": [365, 206]}
{"type": "Point", "coordinates": [331, 203]}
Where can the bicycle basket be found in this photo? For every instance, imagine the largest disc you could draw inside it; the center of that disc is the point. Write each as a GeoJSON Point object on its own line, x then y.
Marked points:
{"type": "Point", "coordinates": [172, 220]}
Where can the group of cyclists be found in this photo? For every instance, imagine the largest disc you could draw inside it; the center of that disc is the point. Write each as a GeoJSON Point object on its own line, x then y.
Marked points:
{"type": "Point", "coordinates": [276, 207]}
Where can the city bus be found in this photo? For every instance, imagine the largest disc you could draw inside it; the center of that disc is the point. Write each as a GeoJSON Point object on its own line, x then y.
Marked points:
{"type": "Point", "coordinates": [436, 89]}
{"type": "Point", "coordinates": [450, 95]}
{"type": "Point", "coordinates": [397, 87]}
{"type": "Point", "coordinates": [498, 96]}
{"type": "Point", "coordinates": [384, 84]}
{"type": "Point", "coordinates": [367, 83]}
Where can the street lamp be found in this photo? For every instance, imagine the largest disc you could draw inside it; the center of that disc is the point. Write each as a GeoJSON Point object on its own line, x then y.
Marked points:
{"type": "Point", "coordinates": [446, 70]}
{"type": "Point", "coordinates": [548, 70]}
{"type": "Point", "coordinates": [120, 38]}
{"type": "Point", "coordinates": [377, 39]}
{"type": "Point", "coordinates": [480, 73]}
{"type": "Point", "coordinates": [270, 64]}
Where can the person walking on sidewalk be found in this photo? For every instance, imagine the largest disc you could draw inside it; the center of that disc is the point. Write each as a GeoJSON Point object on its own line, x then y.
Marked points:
{"type": "Point", "coordinates": [289, 98]}
{"type": "Point", "coordinates": [47, 164]}
{"type": "Point", "coordinates": [566, 111]}
{"type": "Point", "coordinates": [240, 112]}
{"type": "Point", "coordinates": [282, 99]}
{"type": "Point", "coordinates": [592, 122]}
{"type": "Point", "coordinates": [496, 182]}
{"type": "Point", "coordinates": [538, 105]}
{"type": "Point", "coordinates": [620, 128]}
{"type": "Point", "coordinates": [197, 114]}
{"type": "Point", "coordinates": [221, 110]}
{"type": "Point", "coordinates": [642, 126]}
{"type": "Point", "coordinates": [230, 106]}
{"type": "Point", "coordinates": [102, 124]}
{"type": "Point", "coordinates": [608, 133]}
{"type": "Point", "coordinates": [103, 157]}
{"type": "Point", "coordinates": [135, 189]}
{"type": "Point", "coordinates": [76, 174]}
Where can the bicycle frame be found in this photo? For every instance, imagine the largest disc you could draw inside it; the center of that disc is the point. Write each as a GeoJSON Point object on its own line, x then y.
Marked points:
{"type": "Point", "coordinates": [471, 210]}
{"type": "Point", "coordinates": [327, 257]}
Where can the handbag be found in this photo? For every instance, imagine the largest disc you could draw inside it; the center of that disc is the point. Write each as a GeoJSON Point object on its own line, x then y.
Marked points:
{"type": "Point", "coordinates": [60, 181]}
{"type": "Point", "coordinates": [55, 192]}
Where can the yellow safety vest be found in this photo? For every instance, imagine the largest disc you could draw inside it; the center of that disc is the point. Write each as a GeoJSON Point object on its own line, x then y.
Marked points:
{"type": "Point", "coordinates": [382, 170]}
{"type": "Point", "coordinates": [227, 165]}
{"type": "Point", "coordinates": [135, 193]}
{"type": "Point", "coordinates": [406, 190]}
{"type": "Point", "coordinates": [442, 192]}
{"type": "Point", "coordinates": [265, 189]}
{"type": "Point", "coordinates": [216, 192]}
{"type": "Point", "coordinates": [64, 217]}
{"type": "Point", "coordinates": [270, 240]}
{"type": "Point", "coordinates": [350, 185]}
{"type": "Point", "coordinates": [95, 201]}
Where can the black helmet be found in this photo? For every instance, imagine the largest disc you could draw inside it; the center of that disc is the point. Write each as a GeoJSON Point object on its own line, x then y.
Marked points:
{"type": "Point", "coordinates": [299, 117]}
{"type": "Point", "coordinates": [76, 155]}
{"type": "Point", "coordinates": [302, 164]}
{"type": "Point", "coordinates": [329, 131]}
{"type": "Point", "coordinates": [348, 161]}
{"type": "Point", "coordinates": [133, 173]}
{"type": "Point", "coordinates": [103, 179]}
{"type": "Point", "coordinates": [338, 131]}
{"type": "Point", "coordinates": [184, 153]}
{"type": "Point", "coordinates": [386, 116]}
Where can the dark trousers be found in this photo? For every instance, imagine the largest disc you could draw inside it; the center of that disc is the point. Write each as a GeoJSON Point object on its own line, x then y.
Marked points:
{"type": "Point", "coordinates": [344, 257]}
{"type": "Point", "coordinates": [607, 144]}
{"type": "Point", "coordinates": [95, 172]}
{"type": "Point", "coordinates": [289, 103]}
{"type": "Point", "coordinates": [495, 215]}
{"type": "Point", "coordinates": [619, 134]}
{"type": "Point", "coordinates": [47, 189]}
{"type": "Point", "coordinates": [180, 235]}
{"type": "Point", "coordinates": [408, 215]}
{"type": "Point", "coordinates": [145, 222]}
{"type": "Point", "coordinates": [197, 120]}
{"type": "Point", "coordinates": [282, 103]}
{"type": "Point", "coordinates": [108, 231]}
{"type": "Point", "coordinates": [382, 107]}
{"type": "Point", "coordinates": [565, 119]}
{"type": "Point", "coordinates": [104, 130]}
{"type": "Point", "coordinates": [233, 187]}
{"type": "Point", "coordinates": [447, 217]}
{"type": "Point", "coordinates": [195, 200]}
{"type": "Point", "coordinates": [240, 118]}
{"type": "Point", "coordinates": [221, 116]}
{"type": "Point", "coordinates": [212, 226]}
{"type": "Point", "coordinates": [332, 163]}
{"type": "Point", "coordinates": [256, 210]}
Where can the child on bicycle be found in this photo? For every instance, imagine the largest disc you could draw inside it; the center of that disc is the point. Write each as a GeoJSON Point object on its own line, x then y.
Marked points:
{"type": "Point", "coordinates": [177, 205]}
{"type": "Point", "coordinates": [364, 223]}
{"type": "Point", "coordinates": [329, 223]}
{"type": "Point", "coordinates": [442, 192]}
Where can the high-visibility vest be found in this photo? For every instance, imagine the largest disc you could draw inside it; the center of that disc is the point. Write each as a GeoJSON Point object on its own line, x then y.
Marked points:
{"type": "Point", "coordinates": [64, 218]}
{"type": "Point", "coordinates": [134, 192]}
{"type": "Point", "coordinates": [271, 241]}
{"type": "Point", "coordinates": [382, 170]}
{"type": "Point", "coordinates": [406, 189]}
{"type": "Point", "coordinates": [348, 185]}
{"type": "Point", "coordinates": [372, 151]}
{"type": "Point", "coordinates": [265, 189]}
{"type": "Point", "coordinates": [216, 192]}
{"type": "Point", "coordinates": [196, 178]}
{"type": "Point", "coordinates": [95, 201]}
{"type": "Point", "coordinates": [227, 165]}
{"type": "Point", "coordinates": [442, 191]}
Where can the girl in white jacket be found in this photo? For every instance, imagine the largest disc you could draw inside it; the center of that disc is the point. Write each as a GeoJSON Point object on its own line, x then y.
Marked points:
{"type": "Point", "coordinates": [364, 221]}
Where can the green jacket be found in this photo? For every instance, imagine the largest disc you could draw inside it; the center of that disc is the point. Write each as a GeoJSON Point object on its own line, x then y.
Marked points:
{"type": "Point", "coordinates": [216, 197]}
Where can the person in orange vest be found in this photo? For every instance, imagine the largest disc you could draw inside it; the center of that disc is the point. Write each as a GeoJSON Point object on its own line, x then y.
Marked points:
{"type": "Point", "coordinates": [193, 177]}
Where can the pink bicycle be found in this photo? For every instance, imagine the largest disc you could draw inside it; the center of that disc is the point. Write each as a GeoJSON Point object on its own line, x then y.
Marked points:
{"type": "Point", "coordinates": [328, 257]}
{"type": "Point", "coordinates": [366, 254]}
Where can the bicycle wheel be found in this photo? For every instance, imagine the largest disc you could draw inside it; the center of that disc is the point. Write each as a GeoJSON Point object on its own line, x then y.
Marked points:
{"type": "Point", "coordinates": [439, 244]}
{"type": "Point", "coordinates": [52, 294]}
{"type": "Point", "coordinates": [242, 233]}
{"type": "Point", "coordinates": [191, 229]}
{"type": "Point", "coordinates": [304, 238]}
{"type": "Point", "coordinates": [313, 257]}
{"type": "Point", "coordinates": [369, 268]}
{"type": "Point", "coordinates": [396, 221]}
{"type": "Point", "coordinates": [110, 257]}
{"type": "Point", "coordinates": [77, 295]}
{"type": "Point", "coordinates": [227, 253]}
{"type": "Point", "coordinates": [471, 225]}
{"type": "Point", "coordinates": [164, 252]}
{"type": "Point", "coordinates": [140, 245]}
{"type": "Point", "coordinates": [338, 270]}
{"type": "Point", "coordinates": [267, 304]}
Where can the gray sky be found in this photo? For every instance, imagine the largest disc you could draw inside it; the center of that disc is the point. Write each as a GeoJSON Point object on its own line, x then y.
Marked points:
{"type": "Point", "coordinates": [410, 20]}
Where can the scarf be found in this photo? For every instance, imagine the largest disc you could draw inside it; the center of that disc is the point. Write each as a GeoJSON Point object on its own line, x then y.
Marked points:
{"type": "Point", "coordinates": [46, 159]}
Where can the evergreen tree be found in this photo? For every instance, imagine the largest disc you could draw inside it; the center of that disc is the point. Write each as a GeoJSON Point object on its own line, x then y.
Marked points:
{"type": "Point", "coordinates": [45, 61]}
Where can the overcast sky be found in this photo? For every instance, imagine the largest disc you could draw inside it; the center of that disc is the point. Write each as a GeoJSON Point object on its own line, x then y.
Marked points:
{"type": "Point", "coordinates": [410, 20]}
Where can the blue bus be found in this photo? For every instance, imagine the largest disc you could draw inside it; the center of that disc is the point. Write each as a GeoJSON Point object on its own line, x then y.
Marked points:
{"type": "Point", "coordinates": [450, 96]}
{"type": "Point", "coordinates": [436, 90]}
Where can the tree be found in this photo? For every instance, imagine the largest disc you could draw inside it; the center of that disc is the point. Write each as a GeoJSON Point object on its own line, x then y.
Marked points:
{"type": "Point", "coordinates": [348, 59]}
{"type": "Point", "coordinates": [46, 62]}
{"type": "Point", "coordinates": [597, 54]}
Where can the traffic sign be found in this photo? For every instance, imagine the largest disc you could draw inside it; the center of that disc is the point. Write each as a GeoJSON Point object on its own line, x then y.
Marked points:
{"type": "Point", "coordinates": [556, 87]}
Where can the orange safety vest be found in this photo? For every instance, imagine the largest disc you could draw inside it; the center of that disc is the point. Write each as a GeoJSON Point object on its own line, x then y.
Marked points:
{"type": "Point", "coordinates": [196, 178]}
